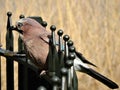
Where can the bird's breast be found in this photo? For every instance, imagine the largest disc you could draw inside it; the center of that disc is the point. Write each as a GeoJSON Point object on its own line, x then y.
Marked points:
{"type": "Point", "coordinates": [37, 50]}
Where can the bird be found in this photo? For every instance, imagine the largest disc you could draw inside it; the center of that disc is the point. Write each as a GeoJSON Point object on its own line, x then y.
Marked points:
{"type": "Point", "coordinates": [36, 40]}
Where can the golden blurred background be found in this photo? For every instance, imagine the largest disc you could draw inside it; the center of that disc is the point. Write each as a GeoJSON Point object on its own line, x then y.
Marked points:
{"type": "Point", "coordinates": [93, 25]}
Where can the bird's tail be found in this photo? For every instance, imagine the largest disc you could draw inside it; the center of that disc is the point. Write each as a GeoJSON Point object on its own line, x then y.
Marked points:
{"type": "Point", "coordinates": [101, 78]}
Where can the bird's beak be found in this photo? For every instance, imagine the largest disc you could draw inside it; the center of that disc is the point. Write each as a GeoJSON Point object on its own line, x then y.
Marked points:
{"type": "Point", "coordinates": [18, 27]}
{"type": "Point", "coordinates": [20, 31]}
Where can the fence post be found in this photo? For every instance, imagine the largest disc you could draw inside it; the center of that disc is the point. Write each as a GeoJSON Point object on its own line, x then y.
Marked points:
{"type": "Point", "coordinates": [9, 62]}
{"type": "Point", "coordinates": [60, 49]}
{"type": "Point", "coordinates": [52, 56]}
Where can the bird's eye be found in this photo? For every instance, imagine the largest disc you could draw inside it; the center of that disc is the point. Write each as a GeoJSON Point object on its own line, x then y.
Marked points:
{"type": "Point", "coordinates": [19, 25]}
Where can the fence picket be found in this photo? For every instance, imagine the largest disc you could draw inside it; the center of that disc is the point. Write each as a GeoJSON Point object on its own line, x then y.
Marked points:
{"type": "Point", "coordinates": [9, 62]}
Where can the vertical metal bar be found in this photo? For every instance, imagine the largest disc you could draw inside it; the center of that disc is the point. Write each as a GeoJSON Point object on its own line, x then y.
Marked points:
{"type": "Point", "coordinates": [22, 69]}
{"type": "Point", "coordinates": [52, 53]}
{"type": "Point", "coordinates": [9, 62]}
{"type": "Point", "coordinates": [69, 64]}
{"type": "Point", "coordinates": [66, 38]}
{"type": "Point", "coordinates": [64, 72]}
{"type": "Point", "coordinates": [60, 33]}
{"type": "Point", "coordinates": [74, 81]}
{"type": "Point", "coordinates": [60, 49]}
{"type": "Point", "coordinates": [60, 52]}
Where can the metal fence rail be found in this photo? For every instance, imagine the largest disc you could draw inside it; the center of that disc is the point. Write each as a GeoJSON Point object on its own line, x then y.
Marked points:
{"type": "Point", "coordinates": [61, 74]}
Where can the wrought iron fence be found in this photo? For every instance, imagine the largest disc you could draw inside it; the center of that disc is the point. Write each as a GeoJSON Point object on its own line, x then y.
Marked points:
{"type": "Point", "coordinates": [61, 74]}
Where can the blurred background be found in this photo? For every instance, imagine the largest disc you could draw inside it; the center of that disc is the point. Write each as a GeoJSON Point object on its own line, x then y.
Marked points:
{"type": "Point", "coordinates": [93, 25]}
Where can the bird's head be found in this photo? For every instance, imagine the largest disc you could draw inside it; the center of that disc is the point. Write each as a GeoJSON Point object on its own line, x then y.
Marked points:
{"type": "Point", "coordinates": [19, 25]}
{"type": "Point", "coordinates": [25, 24]}
{"type": "Point", "coordinates": [29, 28]}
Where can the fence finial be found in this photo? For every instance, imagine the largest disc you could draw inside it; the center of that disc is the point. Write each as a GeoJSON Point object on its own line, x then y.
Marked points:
{"type": "Point", "coordinates": [66, 38]}
{"type": "Point", "coordinates": [9, 46]}
{"type": "Point", "coordinates": [53, 28]}
{"type": "Point", "coordinates": [21, 16]}
{"type": "Point", "coordinates": [44, 24]}
{"type": "Point", "coordinates": [60, 33]}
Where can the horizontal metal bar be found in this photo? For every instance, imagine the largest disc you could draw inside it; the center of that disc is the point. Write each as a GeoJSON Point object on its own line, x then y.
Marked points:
{"type": "Point", "coordinates": [19, 58]}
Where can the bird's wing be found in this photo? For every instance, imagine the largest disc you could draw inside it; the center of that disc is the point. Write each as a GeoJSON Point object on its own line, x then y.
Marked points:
{"type": "Point", "coordinates": [80, 56]}
{"type": "Point", "coordinates": [45, 37]}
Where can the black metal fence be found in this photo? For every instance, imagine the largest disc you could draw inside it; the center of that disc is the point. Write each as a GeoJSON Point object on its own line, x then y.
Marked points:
{"type": "Point", "coordinates": [61, 74]}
